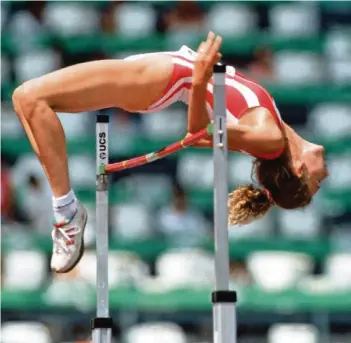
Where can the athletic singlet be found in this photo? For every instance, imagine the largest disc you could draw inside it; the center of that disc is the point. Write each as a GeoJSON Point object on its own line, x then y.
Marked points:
{"type": "Point", "coordinates": [241, 92]}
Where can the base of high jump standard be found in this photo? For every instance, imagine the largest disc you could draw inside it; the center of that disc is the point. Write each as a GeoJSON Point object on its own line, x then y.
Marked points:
{"type": "Point", "coordinates": [223, 299]}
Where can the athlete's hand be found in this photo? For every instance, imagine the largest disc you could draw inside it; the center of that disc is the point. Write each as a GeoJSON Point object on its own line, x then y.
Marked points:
{"type": "Point", "coordinates": [207, 56]}
{"type": "Point", "coordinates": [202, 143]}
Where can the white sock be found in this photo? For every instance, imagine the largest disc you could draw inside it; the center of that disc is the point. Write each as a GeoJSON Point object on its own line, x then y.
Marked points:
{"type": "Point", "coordinates": [64, 207]}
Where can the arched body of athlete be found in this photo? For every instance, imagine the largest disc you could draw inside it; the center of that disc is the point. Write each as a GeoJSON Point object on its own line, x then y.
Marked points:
{"type": "Point", "coordinates": [289, 169]}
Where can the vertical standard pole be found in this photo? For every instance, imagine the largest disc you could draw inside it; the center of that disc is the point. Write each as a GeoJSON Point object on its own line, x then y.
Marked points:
{"type": "Point", "coordinates": [223, 300]}
{"type": "Point", "coordinates": [102, 323]}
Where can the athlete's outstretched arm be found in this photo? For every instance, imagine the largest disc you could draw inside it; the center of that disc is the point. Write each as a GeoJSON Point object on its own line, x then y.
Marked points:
{"type": "Point", "coordinates": [258, 140]}
{"type": "Point", "coordinates": [130, 85]}
{"type": "Point", "coordinates": [198, 117]}
{"type": "Point", "coordinates": [207, 56]}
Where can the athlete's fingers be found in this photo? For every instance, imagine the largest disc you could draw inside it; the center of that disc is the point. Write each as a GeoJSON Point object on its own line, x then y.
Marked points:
{"type": "Point", "coordinates": [215, 48]}
{"type": "Point", "coordinates": [209, 42]}
{"type": "Point", "coordinates": [208, 55]}
{"type": "Point", "coordinates": [210, 49]}
{"type": "Point", "coordinates": [210, 37]}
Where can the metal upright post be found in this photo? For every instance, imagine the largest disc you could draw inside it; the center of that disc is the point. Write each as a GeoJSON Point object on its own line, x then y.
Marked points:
{"type": "Point", "coordinates": [102, 323]}
{"type": "Point", "coordinates": [223, 300]}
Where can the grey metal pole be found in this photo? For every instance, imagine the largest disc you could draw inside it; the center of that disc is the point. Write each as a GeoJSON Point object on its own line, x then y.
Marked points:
{"type": "Point", "coordinates": [102, 323]}
{"type": "Point", "coordinates": [223, 300]}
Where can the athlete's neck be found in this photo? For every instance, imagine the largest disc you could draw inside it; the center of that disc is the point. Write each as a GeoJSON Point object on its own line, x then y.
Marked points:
{"type": "Point", "coordinates": [295, 144]}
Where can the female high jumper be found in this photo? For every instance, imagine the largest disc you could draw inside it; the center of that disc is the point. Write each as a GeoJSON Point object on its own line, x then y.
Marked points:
{"type": "Point", "coordinates": [288, 169]}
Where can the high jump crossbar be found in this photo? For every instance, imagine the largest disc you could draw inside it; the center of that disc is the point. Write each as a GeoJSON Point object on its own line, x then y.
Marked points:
{"type": "Point", "coordinates": [223, 299]}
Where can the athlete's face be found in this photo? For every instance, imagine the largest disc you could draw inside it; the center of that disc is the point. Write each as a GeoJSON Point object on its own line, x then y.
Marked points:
{"type": "Point", "coordinates": [313, 158]}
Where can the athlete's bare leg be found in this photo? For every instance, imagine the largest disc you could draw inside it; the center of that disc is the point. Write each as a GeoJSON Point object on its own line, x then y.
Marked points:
{"type": "Point", "coordinates": [130, 85]}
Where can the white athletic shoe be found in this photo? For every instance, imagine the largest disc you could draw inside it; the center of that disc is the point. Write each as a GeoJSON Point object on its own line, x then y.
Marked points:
{"type": "Point", "coordinates": [68, 240]}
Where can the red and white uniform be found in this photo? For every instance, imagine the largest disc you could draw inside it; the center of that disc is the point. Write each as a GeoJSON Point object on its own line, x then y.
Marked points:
{"type": "Point", "coordinates": [241, 92]}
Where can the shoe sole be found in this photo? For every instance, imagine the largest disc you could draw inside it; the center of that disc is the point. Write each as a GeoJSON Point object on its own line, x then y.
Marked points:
{"type": "Point", "coordinates": [81, 252]}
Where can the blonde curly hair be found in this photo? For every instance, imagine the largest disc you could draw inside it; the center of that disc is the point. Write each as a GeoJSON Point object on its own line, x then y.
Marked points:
{"type": "Point", "coordinates": [246, 204]}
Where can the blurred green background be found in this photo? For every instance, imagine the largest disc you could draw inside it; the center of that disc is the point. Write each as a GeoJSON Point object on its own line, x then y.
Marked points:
{"type": "Point", "coordinates": [291, 268]}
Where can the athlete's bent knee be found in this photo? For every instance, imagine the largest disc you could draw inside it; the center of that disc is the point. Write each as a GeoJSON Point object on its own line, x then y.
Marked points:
{"type": "Point", "coordinates": [25, 101]}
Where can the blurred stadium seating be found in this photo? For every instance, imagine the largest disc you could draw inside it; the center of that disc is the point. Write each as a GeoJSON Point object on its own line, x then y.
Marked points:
{"type": "Point", "coordinates": [291, 269]}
